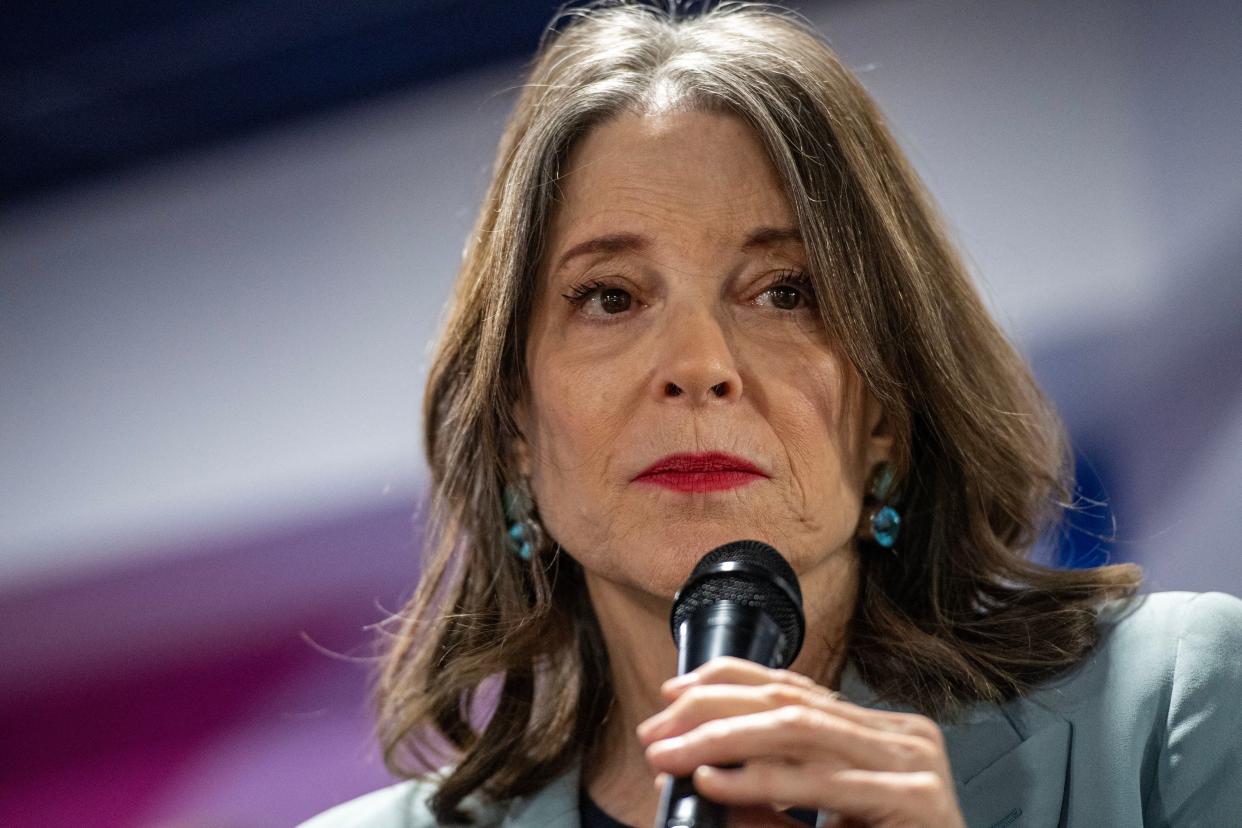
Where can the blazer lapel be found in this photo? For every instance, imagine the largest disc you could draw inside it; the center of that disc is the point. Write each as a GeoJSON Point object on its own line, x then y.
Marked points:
{"type": "Point", "coordinates": [1024, 786]}
{"type": "Point", "coordinates": [1009, 762]}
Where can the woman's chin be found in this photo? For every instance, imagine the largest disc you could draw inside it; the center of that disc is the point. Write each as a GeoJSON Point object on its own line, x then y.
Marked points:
{"type": "Point", "coordinates": [662, 561]}
{"type": "Point", "coordinates": [661, 564]}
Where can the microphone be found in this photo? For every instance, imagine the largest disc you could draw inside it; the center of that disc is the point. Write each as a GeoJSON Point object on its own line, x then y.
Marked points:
{"type": "Point", "coordinates": [742, 599]}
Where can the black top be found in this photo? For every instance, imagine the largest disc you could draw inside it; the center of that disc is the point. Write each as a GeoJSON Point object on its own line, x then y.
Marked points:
{"type": "Point", "coordinates": [592, 816]}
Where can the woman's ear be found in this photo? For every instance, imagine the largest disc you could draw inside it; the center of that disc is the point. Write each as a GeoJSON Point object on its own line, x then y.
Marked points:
{"type": "Point", "coordinates": [880, 436]}
{"type": "Point", "coordinates": [519, 448]}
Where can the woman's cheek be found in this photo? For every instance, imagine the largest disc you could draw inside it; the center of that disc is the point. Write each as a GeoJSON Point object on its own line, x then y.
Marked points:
{"type": "Point", "coordinates": [580, 407]}
{"type": "Point", "coordinates": [810, 417]}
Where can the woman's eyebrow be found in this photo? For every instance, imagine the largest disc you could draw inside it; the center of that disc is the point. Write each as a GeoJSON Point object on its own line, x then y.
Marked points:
{"type": "Point", "coordinates": [610, 243]}
{"type": "Point", "coordinates": [634, 242]}
{"type": "Point", "coordinates": [771, 236]}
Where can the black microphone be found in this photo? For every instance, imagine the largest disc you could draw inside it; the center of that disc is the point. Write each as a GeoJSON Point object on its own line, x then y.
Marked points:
{"type": "Point", "coordinates": [742, 600]}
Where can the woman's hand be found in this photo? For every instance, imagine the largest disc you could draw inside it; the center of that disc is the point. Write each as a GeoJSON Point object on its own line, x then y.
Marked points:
{"type": "Point", "coordinates": [801, 746]}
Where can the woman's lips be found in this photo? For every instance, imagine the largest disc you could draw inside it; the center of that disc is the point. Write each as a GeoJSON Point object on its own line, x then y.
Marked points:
{"type": "Point", "coordinates": [706, 472]}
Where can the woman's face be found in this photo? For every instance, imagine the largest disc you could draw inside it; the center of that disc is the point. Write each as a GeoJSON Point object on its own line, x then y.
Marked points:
{"type": "Point", "coordinates": [671, 319]}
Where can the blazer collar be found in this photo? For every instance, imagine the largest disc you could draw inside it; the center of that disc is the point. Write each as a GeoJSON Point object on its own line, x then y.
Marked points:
{"type": "Point", "coordinates": [554, 804]}
{"type": "Point", "coordinates": [1009, 762]}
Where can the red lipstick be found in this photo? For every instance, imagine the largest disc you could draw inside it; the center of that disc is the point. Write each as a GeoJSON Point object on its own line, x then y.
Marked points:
{"type": "Point", "coordinates": [711, 471]}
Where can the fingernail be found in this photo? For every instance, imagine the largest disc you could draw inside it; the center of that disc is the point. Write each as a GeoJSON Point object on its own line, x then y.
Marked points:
{"type": "Point", "coordinates": [678, 682]}
{"type": "Point", "coordinates": [666, 745]}
{"type": "Point", "coordinates": [654, 728]}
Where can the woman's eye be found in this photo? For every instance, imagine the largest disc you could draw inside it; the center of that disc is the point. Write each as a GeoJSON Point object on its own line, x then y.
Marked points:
{"type": "Point", "coordinates": [614, 300]}
{"type": "Point", "coordinates": [789, 292]}
{"type": "Point", "coordinates": [784, 297]}
{"type": "Point", "coordinates": [599, 300]}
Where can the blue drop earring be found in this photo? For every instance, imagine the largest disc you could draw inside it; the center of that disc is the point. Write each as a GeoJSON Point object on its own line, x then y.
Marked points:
{"type": "Point", "coordinates": [525, 534]}
{"type": "Point", "coordinates": [881, 522]}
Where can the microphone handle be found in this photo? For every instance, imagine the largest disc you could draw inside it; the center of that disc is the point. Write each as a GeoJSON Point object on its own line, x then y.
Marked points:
{"type": "Point", "coordinates": [718, 629]}
{"type": "Point", "coordinates": [728, 628]}
{"type": "Point", "coordinates": [682, 807]}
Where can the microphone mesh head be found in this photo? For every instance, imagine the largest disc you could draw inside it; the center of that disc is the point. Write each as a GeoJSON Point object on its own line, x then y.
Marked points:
{"type": "Point", "coordinates": [764, 580]}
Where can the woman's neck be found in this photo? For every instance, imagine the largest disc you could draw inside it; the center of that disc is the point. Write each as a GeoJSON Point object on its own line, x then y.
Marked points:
{"type": "Point", "coordinates": [642, 656]}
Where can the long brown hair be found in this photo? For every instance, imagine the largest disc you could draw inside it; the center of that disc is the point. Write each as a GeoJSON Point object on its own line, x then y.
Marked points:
{"type": "Point", "coordinates": [959, 615]}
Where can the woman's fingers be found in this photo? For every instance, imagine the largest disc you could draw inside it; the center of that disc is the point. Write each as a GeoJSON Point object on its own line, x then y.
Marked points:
{"type": "Point", "coordinates": [747, 816]}
{"type": "Point", "coordinates": [736, 671]}
{"type": "Point", "coordinates": [714, 701]}
{"type": "Point", "coordinates": [874, 797]}
{"type": "Point", "coordinates": [704, 702]}
{"type": "Point", "coordinates": [722, 724]}
{"type": "Point", "coordinates": [796, 733]}
{"type": "Point", "coordinates": [883, 796]}
{"type": "Point", "coordinates": [760, 781]}
{"type": "Point", "coordinates": [785, 739]}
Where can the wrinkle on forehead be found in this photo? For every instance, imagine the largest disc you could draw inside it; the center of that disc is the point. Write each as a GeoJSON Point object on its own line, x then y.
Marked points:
{"type": "Point", "coordinates": [650, 178]}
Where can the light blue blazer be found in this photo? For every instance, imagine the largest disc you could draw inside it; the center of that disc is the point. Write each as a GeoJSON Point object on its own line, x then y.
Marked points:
{"type": "Point", "coordinates": [1147, 731]}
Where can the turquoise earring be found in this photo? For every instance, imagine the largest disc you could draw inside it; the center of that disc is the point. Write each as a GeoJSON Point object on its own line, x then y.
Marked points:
{"type": "Point", "coordinates": [881, 522]}
{"type": "Point", "coordinates": [525, 534]}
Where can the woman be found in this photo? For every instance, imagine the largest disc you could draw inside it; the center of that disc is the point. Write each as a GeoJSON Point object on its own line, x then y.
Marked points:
{"type": "Point", "coordinates": [707, 299]}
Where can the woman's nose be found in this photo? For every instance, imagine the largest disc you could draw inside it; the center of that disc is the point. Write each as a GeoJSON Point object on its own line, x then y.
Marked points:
{"type": "Point", "coordinates": [696, 363]}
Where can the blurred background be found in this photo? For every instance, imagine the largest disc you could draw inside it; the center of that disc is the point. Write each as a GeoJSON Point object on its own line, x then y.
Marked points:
{"type": "Point", "coordinates": [227, 231]}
